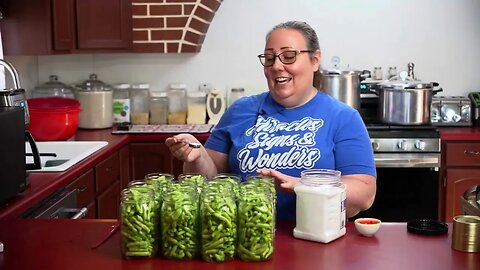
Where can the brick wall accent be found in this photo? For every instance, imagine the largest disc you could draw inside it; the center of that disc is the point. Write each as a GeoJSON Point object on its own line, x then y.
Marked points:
{"type": "Point", "coordinates": [171, 26]}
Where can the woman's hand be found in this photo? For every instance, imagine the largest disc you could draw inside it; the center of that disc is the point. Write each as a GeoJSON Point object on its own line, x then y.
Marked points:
{"type": "Point", "coordinates": [282, 181]}
{"type": "Point", "coordinates": [178, 146]}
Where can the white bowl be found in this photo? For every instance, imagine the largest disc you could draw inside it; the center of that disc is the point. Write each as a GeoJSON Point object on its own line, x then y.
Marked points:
{"type": "Point", "coordinates": [367, 226]}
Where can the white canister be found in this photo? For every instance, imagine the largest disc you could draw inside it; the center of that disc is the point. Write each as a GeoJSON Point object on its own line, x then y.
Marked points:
{"type": "Point", "coordinates": [96, 102]}
{"type": "Point", "coordinates": [321, 212]}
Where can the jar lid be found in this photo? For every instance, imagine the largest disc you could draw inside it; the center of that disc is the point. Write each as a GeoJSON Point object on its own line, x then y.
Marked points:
{"type": "Point", "coordinates": [403, 81]}
{"type": "Point", "coordinates": [177, 86]}
{"type": "Point", "coordinates": [196, 94]}
{"type": "Point", "coordinates": [94, 84]}
{"type": "Point", "coordinates": [158, 94]}
{"type": "Point", "coordinates": [53, 88]}
{"type": "Point", "coordinates": [140, 86]}
{"type": "Point", "coordinates": [121, 86]}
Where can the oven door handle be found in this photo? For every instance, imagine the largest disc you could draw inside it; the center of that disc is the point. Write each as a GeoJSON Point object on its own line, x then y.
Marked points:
{"type": "Point", "coordinates": [393, 160]}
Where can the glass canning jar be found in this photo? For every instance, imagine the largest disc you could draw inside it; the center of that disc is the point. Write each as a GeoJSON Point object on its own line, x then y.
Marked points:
{"type": "Point", "coordinates": [197, 107]}
{"type": "Point", "coordinates": [138, 221]}
{"type": "Point", "coordinates": [121, 103]}
{"type": "Point", "coordinates": [235, 93]}
{"type": "Point", "coordinates": [158, 108]}
{"type": "Point", "coordinates": [140, 96]}
{"type": "Point", "coordinates": [177, 103]}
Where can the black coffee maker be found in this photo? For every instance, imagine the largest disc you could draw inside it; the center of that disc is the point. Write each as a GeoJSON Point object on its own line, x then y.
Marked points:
{"type": "Point", "coordinates": [14, 118]}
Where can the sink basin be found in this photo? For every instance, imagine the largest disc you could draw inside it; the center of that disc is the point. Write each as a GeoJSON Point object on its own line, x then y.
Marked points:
{"type": "Point", "coordinates": [59, 156]}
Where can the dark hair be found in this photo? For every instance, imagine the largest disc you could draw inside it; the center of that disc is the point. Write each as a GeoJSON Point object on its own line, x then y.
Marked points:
{"type": "Point", "coordinates": [310, 37]}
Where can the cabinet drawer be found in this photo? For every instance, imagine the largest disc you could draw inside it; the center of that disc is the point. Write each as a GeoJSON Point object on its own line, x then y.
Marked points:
{"type": "Point", "coordinates": [463, 154]}
{"type": "Point", "coordinates": [85, 185]}
{"type": "Point", "coordinates": [107, 172]}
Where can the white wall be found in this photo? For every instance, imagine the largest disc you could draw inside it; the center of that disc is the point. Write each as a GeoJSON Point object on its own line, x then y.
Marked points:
{"type": "Point", "coordinates": [442, 38]}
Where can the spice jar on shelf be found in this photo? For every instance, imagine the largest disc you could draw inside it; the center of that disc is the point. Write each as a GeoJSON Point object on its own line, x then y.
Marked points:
{"type": "Point", "coordinates": [121, 103]}
{"type": "Point", "coordinates": [140, 95]}
{"type": "Point", "coordinates": [197, 107]}
{"type": "Point", "coordinates": [177, 103]}
{"type": "Point", "coordinates": [158, 107]}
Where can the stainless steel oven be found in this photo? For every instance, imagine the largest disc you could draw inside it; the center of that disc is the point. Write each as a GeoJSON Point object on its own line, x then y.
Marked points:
{"type": "Point", "coordinates": [408, 161]}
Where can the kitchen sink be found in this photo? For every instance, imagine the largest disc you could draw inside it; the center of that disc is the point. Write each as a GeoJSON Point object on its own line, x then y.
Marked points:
{"type": "Point", "coordinates": [59, 156]}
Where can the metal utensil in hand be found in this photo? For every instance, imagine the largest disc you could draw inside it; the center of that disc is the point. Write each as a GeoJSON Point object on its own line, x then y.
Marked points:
{"type": "Point", "coordinates": [194, 144]}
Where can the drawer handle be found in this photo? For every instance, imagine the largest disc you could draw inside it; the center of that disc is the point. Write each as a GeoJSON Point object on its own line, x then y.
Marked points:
{"type": "Point", "coordinates": [109, 169]}
{"type": "Point", "coordinates": [471, 152]}
{"type": "Point", "coordinates": [82, 188]}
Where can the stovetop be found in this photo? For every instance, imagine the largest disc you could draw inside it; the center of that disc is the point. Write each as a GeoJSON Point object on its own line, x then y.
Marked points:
{"type": "Point", "coordinates": [396, 131]}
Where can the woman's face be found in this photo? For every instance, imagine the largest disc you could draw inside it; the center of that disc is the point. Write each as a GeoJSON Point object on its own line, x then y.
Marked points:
{"type": "Point", "coordinates": [291, 85]}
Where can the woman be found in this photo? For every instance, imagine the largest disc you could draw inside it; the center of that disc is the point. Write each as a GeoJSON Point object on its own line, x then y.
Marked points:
{"type": "Point", "coordinates": [290, 128]}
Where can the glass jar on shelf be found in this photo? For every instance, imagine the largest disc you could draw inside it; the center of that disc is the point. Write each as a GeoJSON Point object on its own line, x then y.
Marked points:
{"type": "Point", "coordinates": [177, 103]}
{"type": "Point", "coordinates": [140, 95]}
{"type": "Point", "coordinates": [121, 103]}
{"type": "Point", "coordinates": [197, 107]}
{"type": "Point", "coordinates": [235, 93]}
{"type": "Point", "coordinates": [158, 107]}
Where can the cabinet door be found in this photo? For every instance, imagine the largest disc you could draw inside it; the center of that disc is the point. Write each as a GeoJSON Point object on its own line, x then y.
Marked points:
{"type": "Point", "coordinates": [458, 181]}
{"type": "Point", "coordinates": [103, 24]}
{"type": "Point", "coordinates": [107, 172]}
{"type": "Point", "coordinates": [108, 202]}
{"type": "Point", "coordinates": [85, 185]}
{"type": "Point", "coordinates": [63, 19]}
{"type": "Point", "coordinates": [149, 158]}
{"type": "Point", "coordinates": [124, 166]}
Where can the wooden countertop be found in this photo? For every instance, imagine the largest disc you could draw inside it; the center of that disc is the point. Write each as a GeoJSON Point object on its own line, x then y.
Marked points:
{"type": "Point", "coordinates": [459, 133]}
{"type": "Point", "coordinates": [65, 244]}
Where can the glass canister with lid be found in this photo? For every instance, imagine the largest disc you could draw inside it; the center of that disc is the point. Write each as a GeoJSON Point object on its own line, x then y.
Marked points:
{"type": "Point", "coordinates": [95, 99]}
{"type": "Point", "coordinates": [321, 212]}
{"type": "Point", "coordinates": [140, 97]}
{"type": "Point", "coordinates": [53, 88]}
{"type": "Point", "coordinates": [197, 107]}
{"type": "Point", "coordinates": [177, 103]}
{"type": "Point", "coordinates": [235, 93]}
{"type": "Point", "coordinates": [121, 103]}
{"type": "Point", "coordinates": [158, 107]}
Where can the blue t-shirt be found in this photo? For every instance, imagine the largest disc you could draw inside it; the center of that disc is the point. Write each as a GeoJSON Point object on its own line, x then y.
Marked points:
{"type": "Point", "coordinates": [256, 132]}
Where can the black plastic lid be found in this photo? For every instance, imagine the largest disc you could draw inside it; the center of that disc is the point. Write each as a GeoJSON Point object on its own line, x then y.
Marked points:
{"type": "Point", "coordinates": [427, 227]}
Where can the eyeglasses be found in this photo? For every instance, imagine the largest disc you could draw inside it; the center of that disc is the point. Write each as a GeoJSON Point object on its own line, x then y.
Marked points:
{"type": "Point", "coordinates": [286, 57]}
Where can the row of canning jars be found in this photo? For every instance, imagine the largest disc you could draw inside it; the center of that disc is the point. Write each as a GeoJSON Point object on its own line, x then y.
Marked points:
{"type": "Point", "coordinates": [140, 106]}
{"type": "Point", "coordinates": [193, 217]}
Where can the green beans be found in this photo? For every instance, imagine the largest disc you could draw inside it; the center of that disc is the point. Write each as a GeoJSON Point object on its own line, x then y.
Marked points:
{"type": "Point", "coordinates": [139, 220]}
{"type": "Point", "coordinates": [179, 222]}
{"type": "Point", "coordinates": [256, 224]}
{"type": "Point", "coordinates": [196, 180]}
{"type": "Point", "coordinates": [218, 223]}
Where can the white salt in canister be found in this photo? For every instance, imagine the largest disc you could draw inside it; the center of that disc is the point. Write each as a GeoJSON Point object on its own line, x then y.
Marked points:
{"type": "Point", "coordinates": [320, 206]}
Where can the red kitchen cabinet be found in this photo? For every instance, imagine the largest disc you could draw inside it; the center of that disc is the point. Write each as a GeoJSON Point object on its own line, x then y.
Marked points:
{"type": "Point", "coordinates": [124, 166]}
{"type": "Point", "coordinates": [85, 185]}
{"type": "Point", "coordinates": [108, 202]}
{"type": "Point", "coordinates": [152, 157]}
{"type": "Point", "coordinates": [44, 27]}
{"type": "Point", "coordinates": [462, 171]}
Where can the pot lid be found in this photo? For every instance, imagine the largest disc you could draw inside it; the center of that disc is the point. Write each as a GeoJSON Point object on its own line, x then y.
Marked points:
{"type": "Point", "coordinates": [94, 84]}
{"type": "Point", "coordinates": [403, 81]}
{"type": "Point", "coordinates": [54, 88]}
{"type": "Point", "coordinates": [337, 69]}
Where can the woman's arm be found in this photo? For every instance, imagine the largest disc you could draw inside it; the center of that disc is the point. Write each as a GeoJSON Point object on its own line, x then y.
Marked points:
{"type": "Point", "coordinates": [196, 160]}
{"type": "Point", "coordinates": [361, 190]}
